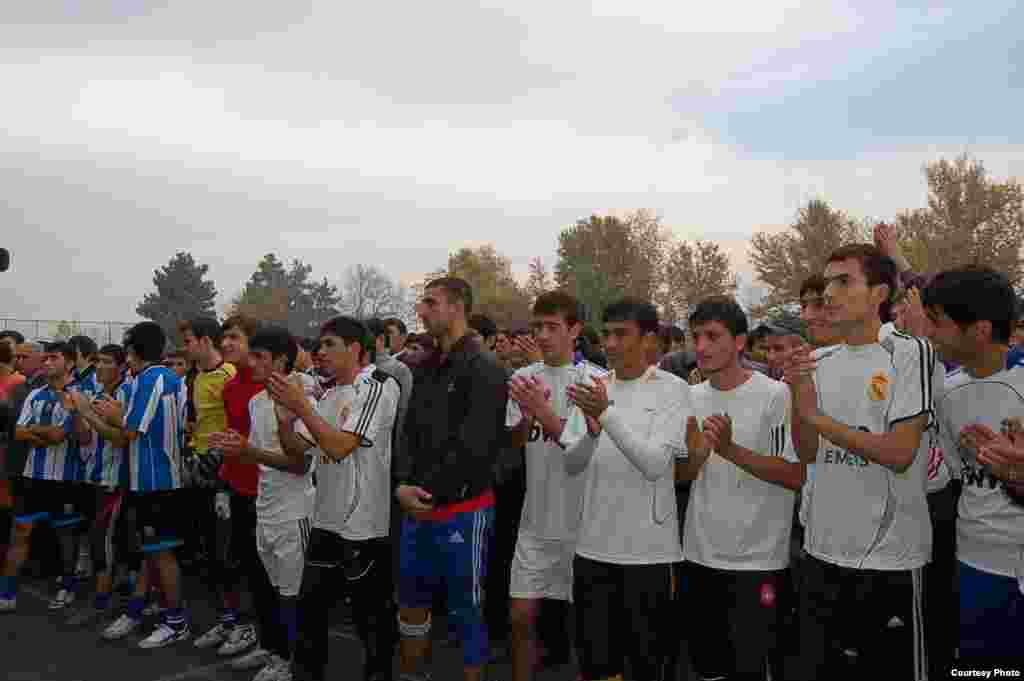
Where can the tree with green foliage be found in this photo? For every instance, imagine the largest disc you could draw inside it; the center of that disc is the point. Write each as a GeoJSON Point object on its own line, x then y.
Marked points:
{"type": "Point", "coordinates": [183, 291]}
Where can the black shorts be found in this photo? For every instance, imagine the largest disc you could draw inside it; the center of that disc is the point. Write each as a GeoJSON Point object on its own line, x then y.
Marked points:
{"type": "Point", "coordinates": [623, 618]}
{"type": "Point", "coordinates": [54, 497]}
{"type": "Point", "coordinates": [741, 613]}
{"type": "Point", "coordinates": [158, 515]}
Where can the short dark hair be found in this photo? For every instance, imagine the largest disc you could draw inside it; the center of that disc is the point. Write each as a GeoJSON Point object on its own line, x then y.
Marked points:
{"type": "Point", "coordinates": [633, 310]}
{"type": "Point", "coordinates": [759, 332]}
{"type": "Point", "coordinates": [724, 310]}
{"type": "Point", "coordinates": [309, 344]}
{"type": "Point", "coordinates": [11, 333]}
{"type": "Point", "coordinates": [974, 294]}
{"type": "Point", "coordinates": [455, 290]}
{"type": "Point", "coordinates": [395, 321]}
{"type": "Point", "coordinates": [243, 323]}
{"type": "Point", "coordinates": [279, 342]}
{"type": "Point", "coordinates": [813, 284]}
{"type": "Point", "coordinates": [558, 303]}
{"type": "Point", "coordinates": [115, 351]}
{"type": "Point", "coordinates": [375, 327]}
{"type": "Point", "coordinates": [83, 344]}
{"type": "Point", "coordinates": [206, 327]}
{"type": "Point", "coordinates": [60, 348]}
{"type": "Point", "coordinates": [348, 329]}
{"type": "Point", "coordinates": [483, 325]}
{"type": "Point", "coordinates": [675, 334]}
{"type": "Point", "coordinates": [878, 269]}
{"type": "Point", "coordinates": [147, 340]}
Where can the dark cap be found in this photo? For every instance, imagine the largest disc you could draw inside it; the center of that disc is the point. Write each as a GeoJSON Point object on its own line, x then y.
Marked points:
{"type": "Point", "coordinates": [787, 326]}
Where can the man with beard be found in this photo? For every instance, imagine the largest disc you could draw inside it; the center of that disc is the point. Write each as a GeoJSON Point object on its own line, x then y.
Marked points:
{"type": "Point", "coordinates": [454, 431]}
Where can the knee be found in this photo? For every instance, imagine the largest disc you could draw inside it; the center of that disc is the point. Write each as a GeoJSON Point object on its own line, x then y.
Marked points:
{"type": "Point", "coordinates": [21, 533]}
{"type": "Point", "coordinates": [522, 616]}
{"type": "Point", "coordinates": [414, 623]}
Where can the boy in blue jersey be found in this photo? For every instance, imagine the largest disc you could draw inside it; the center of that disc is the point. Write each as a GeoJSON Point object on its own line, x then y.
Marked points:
{"type": "Point", "coordinates": [108, 470]}
{"type": "Point", "coordinates": [151, 429]}
{"type": "Point", "coordinates": [49, 490]}
{"type": "Point", "coordinates": [84, 380]}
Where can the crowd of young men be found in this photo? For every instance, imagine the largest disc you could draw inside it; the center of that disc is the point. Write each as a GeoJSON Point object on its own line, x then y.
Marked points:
{"type": "Point", "coordinates": [659, 508]}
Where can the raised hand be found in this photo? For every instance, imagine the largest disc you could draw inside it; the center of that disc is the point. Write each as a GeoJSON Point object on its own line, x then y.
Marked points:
{"type": "Point", "coordinates": [591, 399]}
{"type": "Point", "coordinates": [718, 433]}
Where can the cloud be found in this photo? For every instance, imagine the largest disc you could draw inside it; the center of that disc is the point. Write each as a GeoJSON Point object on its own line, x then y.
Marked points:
{"type": "Point", "coordinates": [393, 134]}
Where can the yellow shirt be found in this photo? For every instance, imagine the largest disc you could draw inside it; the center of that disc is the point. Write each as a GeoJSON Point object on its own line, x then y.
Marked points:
{"type": "Point", "coordinates": [208, 400]}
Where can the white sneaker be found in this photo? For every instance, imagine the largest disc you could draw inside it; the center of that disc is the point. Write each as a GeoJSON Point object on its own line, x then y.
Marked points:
{"type": "Point", "coordinates": [241, 638]}
{"type": "Point", "coordinates": [215, 636]}
{"type": "Point", "coordinates": [120, 628]}
{"type": "Point", "coordinates": [165, 635]}
{"type": "Point", "coordinates": [63, 599]}
{"type": "Point", "coordinates": [278, 669]}
{"type": "Point", "coordinates": [8, 604]}
{"type": "Point", "coordinates": [251, 660]}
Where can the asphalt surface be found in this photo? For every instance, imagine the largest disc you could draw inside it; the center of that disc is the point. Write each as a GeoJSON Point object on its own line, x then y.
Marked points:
{"type": "Point", "coordinates": [36, 645]}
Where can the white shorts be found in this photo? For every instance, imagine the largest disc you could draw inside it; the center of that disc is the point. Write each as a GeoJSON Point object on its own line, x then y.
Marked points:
{"type": "Point", "coordinates": [282, 548]}
{"type": "Point", "coordinates": [542, 568]}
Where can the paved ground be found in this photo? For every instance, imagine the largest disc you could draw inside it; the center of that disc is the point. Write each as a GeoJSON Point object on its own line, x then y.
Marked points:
{"type": "Point", "coordinates": [35, 645]}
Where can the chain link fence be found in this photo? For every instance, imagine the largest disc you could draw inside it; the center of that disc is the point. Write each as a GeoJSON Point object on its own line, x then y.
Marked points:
{"type": "Point", "coordinates": [62, 329]}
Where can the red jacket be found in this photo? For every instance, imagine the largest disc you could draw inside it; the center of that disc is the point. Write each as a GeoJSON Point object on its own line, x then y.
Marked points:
{"type": "Point", "coordinates": [244, 478]}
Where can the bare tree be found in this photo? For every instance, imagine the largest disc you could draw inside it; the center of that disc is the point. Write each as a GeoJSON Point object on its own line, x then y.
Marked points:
{"type": "Point", "coordinates": [367, 291]}
{"type": "Point", "coordinates": [970, 219]}
{"type": "Point", "coordinates": [782, 261]}
{"type": "Point", "coordinates": [539, 281]}
{"type": "Point", "coordinates": [693, 273]}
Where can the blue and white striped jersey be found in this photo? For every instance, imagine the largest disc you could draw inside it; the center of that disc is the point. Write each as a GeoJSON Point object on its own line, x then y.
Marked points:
{"type": "Point", "coordinates": [156, 411]}
{"type": "Point", "coordinates": [45, 407]}
{"type": "Point", "coordinates": [86, 383]}
{"type": "Point", "coordinates": [109, 466]}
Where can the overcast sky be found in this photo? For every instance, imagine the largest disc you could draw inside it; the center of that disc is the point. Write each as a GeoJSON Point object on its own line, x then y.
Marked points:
{"type": "Point", "coordinates": [394, 132]}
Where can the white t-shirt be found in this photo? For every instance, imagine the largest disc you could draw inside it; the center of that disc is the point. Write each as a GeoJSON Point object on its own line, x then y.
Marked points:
{"type": "Point", "coordinates": [353, 496]}
{"type": "Point", "coordinates": [629, 500]}
{"type": "Point", "coordinates": [990, 527]}
{"type": "Point", "coordinates": [551, 509]}
{"type": "Point", "coordinates": [861, 514]}
{"type": "Point", "coordinates": [282, 496]}
{"type": "Point", "coordinates": [736, 521]}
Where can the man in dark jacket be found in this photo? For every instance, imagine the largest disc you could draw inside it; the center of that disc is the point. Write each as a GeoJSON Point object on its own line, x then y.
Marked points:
{"type": "Point", "coordinates": [454, 431]}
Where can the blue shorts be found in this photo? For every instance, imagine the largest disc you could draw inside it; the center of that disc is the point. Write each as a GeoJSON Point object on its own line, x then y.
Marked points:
{"type": "Point", "coordinates": [991, 614]}
{"type": "Point", "coordinates": [449, 554]}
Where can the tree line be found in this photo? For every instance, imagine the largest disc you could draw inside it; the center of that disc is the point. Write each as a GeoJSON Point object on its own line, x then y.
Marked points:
{"type": "Point", "coordinates": [970, 218]}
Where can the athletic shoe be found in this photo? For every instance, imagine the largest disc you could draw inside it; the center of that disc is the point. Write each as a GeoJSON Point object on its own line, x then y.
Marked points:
{"type": "Point", "coordinates": [121, 627]}
{"type": "Point", "coordinates": [8, 604]}
{"type": "Point", "coordinates": [241, 638]}
{"type": "Point", "coordinates": [86, 615]}
{"type": "Point", "coordinates": [215, 636]}
{"type": "Point", "coordinates": [278, 669]}
{"type": "Point", "coordinates": [63, 599]}
{"type": "Point", "coordinates": [251, 660]}
{"type": "Point", "coordinates": [165, 635]}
